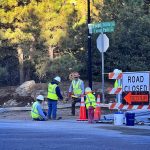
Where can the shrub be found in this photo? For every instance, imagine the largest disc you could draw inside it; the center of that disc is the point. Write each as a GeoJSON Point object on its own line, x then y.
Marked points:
{"type": "Point", "coordinates": [63, 66]}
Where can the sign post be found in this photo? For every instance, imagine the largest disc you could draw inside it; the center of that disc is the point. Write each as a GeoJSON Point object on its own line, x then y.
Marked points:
{"type": "Point", "coordinates": [102, 42]}
{"type": "Point", "coordinates": [102, 45]}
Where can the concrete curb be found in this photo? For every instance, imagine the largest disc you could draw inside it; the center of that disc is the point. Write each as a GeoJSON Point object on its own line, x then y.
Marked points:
{"type": "Point", "coordinates": [7, 109]}
{"type": "Point", "coordinates": [28, 108]}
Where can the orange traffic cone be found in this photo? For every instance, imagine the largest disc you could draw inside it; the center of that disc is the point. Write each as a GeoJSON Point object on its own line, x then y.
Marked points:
{"type": "Point", "coordinates": [97, 112]}
{"type": "Point", "coordinates": [82, 115]}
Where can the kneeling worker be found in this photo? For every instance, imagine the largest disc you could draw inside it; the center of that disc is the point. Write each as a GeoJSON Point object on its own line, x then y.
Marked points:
{"type": "Point", "coordinates": [36, 110]}
{"type": "Point", "coordinates": [90, 103]}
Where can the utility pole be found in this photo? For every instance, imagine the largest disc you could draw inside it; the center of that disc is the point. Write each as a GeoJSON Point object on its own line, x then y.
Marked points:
{"type": "Point", "coordinates": [89, 47]}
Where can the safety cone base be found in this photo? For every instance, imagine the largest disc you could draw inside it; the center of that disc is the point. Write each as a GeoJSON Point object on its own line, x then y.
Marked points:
{"type": "Point", "coordinates": [82, 119]}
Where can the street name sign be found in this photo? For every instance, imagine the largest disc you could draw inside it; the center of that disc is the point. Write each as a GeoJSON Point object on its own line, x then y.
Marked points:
{"type": "Point", "coordinates": [99, 30]}
{"type": "Point", "coordinates": [101, 27]}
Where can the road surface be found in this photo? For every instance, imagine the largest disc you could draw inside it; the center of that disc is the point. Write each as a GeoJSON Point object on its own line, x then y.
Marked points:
{"type": "Point", "coordinates": [71, 135]}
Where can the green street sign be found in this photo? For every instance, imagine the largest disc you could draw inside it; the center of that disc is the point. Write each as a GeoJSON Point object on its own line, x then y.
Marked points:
{"type": "Point", "coordinates": [100, 30]}
{"type": "Point", "coordinates": [101, 27]}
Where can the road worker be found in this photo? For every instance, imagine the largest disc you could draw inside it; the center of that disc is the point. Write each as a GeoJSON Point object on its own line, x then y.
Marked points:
{"type": "Point", "coordinates": [53, 95]}
{"type": "Point", "coordinates": [90, 102]}
{"type": "Point", "coordinates": [76, 89]}
{"type": "Point", "coordinates": [36, 111]}
{"type": "Point", "coordinates": [118, 84]}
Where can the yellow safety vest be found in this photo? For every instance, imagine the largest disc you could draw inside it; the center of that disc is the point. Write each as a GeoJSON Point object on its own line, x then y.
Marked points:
{"type": "Point", "coordinates": [116, 85]}
{"type": "Point", "coordinates": [34, 111]}
{"type": "Point", "coordinates": [52, 92]}
{"type": "Point", "coordinates": [90, 100]}
{"type": "Point", "coordinates": [76, 85]}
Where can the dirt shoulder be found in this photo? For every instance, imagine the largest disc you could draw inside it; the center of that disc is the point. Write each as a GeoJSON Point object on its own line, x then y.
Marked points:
{"type": "Point", "coordinates": [65, 113]}
{"type": "Point", "coordinates": [10, 98]}
{"type": "Point", "coordinates": [25, 115]}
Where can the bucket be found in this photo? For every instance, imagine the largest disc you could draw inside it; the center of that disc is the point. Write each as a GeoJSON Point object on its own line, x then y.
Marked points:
{"type": "Point", "coordinates": [118, 118]}
{"type": "Point", "coordinates": [130, 117]}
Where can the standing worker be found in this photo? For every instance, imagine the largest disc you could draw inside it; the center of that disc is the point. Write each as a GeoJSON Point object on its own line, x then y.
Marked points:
{"type": "Point", "coordinates": [76, 89]}
{"type": "Point", "coordinates": [118, 84]}
{"type": "Point", "coordinates": [53, 95]}
{"type": "Point", "coordinates": [90, 103]}
{"type": "Point", "coordinates": [36, 110]}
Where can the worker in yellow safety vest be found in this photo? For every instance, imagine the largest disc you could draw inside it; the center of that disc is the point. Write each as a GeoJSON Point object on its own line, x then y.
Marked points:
{"type": "Point", "coordinates": [53, 95]}
{"type": "Point", "coordinates": [118, 84]}
{"type": "Point", "coordinates": [76, 89]}
{"type": "Point", "coordinates": [36, 111]}
{"type": "Point", "coordinates": [90, 103]}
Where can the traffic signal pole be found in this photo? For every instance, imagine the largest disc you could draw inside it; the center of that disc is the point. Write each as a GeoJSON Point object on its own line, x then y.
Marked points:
{"type": "Point", "coordinates": [89, 47]}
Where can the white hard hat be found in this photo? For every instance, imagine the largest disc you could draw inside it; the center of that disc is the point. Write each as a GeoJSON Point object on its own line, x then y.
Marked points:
{"type": "Point", "coordinates": [88, 89]}
{"type": "Point", "coordinates": [57, 78]}
{"type": "Point", "coordinates": [117, 71]}
{"type": "Point", "coordinates": [40, 97]}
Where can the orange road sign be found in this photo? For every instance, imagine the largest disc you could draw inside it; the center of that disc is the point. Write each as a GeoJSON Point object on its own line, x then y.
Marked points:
{"type": "Point", "coordinates": [129, 98]}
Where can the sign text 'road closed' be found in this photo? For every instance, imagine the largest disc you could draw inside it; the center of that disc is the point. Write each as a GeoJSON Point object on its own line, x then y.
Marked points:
{"type": "Point", "coordinates": [134, 81]}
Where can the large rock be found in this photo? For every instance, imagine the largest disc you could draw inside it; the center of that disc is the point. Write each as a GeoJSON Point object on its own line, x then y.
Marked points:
{"type": "Point", "coordinates": [35, 93]}
{"type": "Point", "coordinates": [26, 88]}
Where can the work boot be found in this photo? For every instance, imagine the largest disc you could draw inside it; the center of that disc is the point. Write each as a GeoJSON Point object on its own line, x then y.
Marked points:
{"type": "Point", "coordinates": [58, 118]}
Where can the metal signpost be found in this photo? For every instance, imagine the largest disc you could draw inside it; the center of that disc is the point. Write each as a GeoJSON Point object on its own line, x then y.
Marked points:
{"type": "Point", "coordinates": [102, 43]}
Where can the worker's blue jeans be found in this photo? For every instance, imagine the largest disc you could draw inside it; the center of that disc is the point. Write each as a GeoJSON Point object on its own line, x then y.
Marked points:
{"type": "Point", "coordinates": [52, 109]}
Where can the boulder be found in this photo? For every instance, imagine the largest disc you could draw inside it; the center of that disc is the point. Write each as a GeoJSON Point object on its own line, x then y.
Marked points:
{"type": "Point", "coordinates": [26, 88]}
{"type": "Point", "coordinates": [35, 93]}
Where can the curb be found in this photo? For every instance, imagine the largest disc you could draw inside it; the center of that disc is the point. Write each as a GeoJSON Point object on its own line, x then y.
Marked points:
{"type": "Point", "coordinates": [7, 109]}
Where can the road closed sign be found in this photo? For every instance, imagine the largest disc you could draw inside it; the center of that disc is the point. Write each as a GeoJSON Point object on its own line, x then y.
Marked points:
{"type": "Point", "coordinates": [135, 87]}
{"type": "Point", "coordinates": [138, 82]}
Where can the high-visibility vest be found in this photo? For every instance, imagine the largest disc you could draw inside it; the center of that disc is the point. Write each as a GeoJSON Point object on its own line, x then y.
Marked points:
{"type": "Point", "coordinates": [90, 100]}
{"type": "Point", "coordinates": [34, 111]}
{"type": "Point", "coordinates": [52, 92]}
{"type": "Point", "coordinates": [117, 84]}
{"type": "Point", "coordinates": [76, 85]}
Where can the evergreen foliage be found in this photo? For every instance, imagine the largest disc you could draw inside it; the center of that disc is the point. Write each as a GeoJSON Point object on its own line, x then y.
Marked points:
{"type": "Point", "coordinates": [43, 38]}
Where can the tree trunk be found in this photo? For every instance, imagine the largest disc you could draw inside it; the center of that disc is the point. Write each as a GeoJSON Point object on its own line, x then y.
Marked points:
{"type": "Point", "coordinates": [31, 51]}
{"type": "Point", "coordinates": [31, 59]}
{"type": "Point", "coordinates": [51, 52]}
{"type": "Point", "coordinates": [20, 58]}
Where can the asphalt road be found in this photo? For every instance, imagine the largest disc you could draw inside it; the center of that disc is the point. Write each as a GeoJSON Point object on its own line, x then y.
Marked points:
{"type": "Point", "coordinates": [71, 135]}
